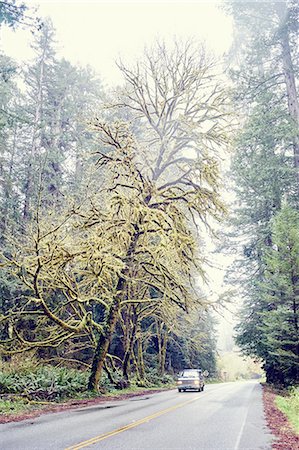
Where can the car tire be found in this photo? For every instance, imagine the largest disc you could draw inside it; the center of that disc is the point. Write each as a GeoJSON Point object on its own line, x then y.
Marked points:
{"type": "Point", "coordinates": [180, 390]}
{"type": "Point", "coordinates": [202, 389]}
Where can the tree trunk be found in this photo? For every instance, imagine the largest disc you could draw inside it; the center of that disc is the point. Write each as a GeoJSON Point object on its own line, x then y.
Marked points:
{"type": "Point", "coordinates": [109, 374]}
{"type": "Point", "coordinates": [128, 353]}
{"type": "Point", "coordinates": [162, 345]}
{"type": "Point", "coordinates": [288, 68]}
{"type": "Point", "coordinates": [163, 354]}
{"type": "Point", "coordinates": [35, 137]}
{"type": "Point", "coordinates": [295, 282]}
{"type": "Point", "coordinates": [141, 368]}
{"type": "Point", "coordinates": [103, 345]}
{"type": "Point", "coordinates": [106, 336]}
{"type": "Point", "coordinates": [54, 180]}
{"type": "Point", "coordinates": [8, 185]}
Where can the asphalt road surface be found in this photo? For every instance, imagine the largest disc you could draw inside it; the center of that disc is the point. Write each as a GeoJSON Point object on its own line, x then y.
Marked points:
{"type": "Point", "coordinates": [227, 416]}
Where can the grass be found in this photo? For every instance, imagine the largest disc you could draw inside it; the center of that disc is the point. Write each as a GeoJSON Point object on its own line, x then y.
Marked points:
{"type": "Point", "coordinates": [289, 405]}
{"type": "Point", "coordinates": [19, 406]}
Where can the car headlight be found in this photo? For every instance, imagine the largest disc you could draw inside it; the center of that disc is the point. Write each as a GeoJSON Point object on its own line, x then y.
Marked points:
{"type": "Point", "coordinates": [196, 382]}
{"type": "Point", "coordinates": [179, 382]}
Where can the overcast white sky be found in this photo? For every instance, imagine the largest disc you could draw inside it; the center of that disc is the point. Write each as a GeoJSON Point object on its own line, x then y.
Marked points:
{"type": "Point", "coordinates": [98, 32]}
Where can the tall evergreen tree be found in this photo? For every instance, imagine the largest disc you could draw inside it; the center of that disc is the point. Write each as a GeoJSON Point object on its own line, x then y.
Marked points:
{"type": "Point", "coordinates": [38, 79]}
{"type": "Point", "coordinates": [265, 167]}
{"type": "Point", "coordinates": [275, 319]}
{"type": "Point", "coordinates": [11, 122]}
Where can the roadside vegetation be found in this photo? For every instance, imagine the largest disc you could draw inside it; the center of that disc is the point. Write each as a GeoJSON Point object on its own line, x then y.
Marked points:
{"type": "Point", "coordinates": [27, 386]}
{"type": "Point", "coordinates": [289, 405]}
{"type": "Point", "coordinates": [281, 422]}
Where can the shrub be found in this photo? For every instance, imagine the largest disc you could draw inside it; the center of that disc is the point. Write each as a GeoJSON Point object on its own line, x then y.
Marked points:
{"type": "Point", "coordinates": [155, 379]}
{"type": "Point", "coordinates": [44, 383]}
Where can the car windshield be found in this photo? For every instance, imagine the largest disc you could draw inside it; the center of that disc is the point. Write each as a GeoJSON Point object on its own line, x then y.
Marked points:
{"type": "Point", "coordinates": [190, 374]}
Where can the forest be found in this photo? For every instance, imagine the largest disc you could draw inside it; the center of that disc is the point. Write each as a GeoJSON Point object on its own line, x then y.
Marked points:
{"type": "Point", "coordinates": [107, 198]}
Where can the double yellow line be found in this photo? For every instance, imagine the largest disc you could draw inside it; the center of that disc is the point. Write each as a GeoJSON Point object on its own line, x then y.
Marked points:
{"type": "Point", "coordinates": [101, 437]}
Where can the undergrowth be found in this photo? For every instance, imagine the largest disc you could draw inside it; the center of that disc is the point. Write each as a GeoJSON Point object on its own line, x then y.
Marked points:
{"type": "Point", "coordinates": [18, 406]}
{"type": "Point", "coordinates": [44, 383]}
{"type": "Point", "coordinates": [28, 386]}
{"type": "Point", "coordinates": [289, 405]}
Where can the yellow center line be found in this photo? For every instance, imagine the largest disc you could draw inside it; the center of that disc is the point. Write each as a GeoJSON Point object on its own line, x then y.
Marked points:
{"type": "Point", "coordinates": [101, 437]}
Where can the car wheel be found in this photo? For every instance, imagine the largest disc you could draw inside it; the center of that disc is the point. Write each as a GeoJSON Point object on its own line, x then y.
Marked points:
{"type": "Point", "coordinates": [202, 389]}
{"type": "Point", "coordinates": [180, 390]}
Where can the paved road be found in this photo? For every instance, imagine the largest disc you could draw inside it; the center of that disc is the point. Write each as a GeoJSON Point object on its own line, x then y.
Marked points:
{"type": "Point", "coordinates": [227, 416]}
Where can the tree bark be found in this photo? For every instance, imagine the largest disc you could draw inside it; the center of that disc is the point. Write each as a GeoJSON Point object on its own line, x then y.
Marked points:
{"type": "Point", "coordinates": [163, 354]}
{"type": "Point", "coordinates": [103, 343]}
{"type": "Point", "coordinates": [141, 368]}
{"type": "Point", "coordinates": [128, 353]}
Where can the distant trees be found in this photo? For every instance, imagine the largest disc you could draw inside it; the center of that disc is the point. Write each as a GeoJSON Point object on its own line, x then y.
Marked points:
{"type": "Point", "coordinates": [192, 342]}
{"type": "Point", "coordinates": [124, 254]}
{"type": "Point", "coordinates": [59, 98]}
{"type": "Point", "coordinates": [44, 126]}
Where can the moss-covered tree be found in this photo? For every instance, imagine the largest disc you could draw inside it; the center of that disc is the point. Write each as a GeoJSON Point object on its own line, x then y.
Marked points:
{"type": "Point", "coordinates": [138, 226]}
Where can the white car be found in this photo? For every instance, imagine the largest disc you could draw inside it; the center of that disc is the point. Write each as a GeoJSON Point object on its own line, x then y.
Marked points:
{"type": "Point", "coordinates": [191, 379]}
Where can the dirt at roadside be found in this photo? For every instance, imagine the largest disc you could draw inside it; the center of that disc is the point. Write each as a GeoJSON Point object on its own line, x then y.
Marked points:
{"type": "Point", "coordinates": [286, 438]}
{"type": "Point", "coordinates": [72, 404]}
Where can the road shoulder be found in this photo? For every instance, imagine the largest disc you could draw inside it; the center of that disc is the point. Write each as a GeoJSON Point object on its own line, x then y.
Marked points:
{"type": "Point", "coordinates": [255, 427]}
{"type": "Point", "coordinates": [285, 437]}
